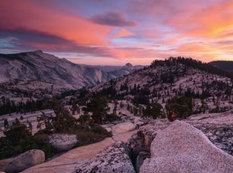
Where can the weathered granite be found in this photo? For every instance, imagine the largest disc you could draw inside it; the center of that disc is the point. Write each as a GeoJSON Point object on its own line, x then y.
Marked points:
{"type": "Point", "coordinates": [63, 142]}
{"type": "Point", "coordinates": [182, 148]}
{"type": "Point", "coordinates": [22, 161]}
{"type": "Point", "coordinates": [111, 159]}
{"type": "Point", "coordinates": [122, 128]}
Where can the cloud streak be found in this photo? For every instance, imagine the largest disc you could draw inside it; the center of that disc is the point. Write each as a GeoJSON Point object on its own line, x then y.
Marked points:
{"type": "Point", "coordinates": [112, 19]}
{"type": "Point", "coordinates": [29, 39]}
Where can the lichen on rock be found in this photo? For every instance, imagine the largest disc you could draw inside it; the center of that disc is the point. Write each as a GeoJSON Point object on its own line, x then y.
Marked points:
{"type": "Point", "coordinates": [112, 159]}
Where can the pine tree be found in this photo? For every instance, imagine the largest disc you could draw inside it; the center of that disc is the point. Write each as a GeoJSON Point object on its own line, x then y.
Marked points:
{"type": "Point", "coordinates": [6, 124]}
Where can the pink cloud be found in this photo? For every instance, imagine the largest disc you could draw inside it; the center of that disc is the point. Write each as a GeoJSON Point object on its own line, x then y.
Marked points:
{"type": "Point", "coordinates": [123, 33]}
{"type": "Point", "coordinates": [39, 18]}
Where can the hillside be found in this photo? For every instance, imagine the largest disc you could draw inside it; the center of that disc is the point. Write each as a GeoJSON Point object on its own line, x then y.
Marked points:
{"type": "Point", "coordinates": [209, 87]}
{"type": "Point", "coordinates": [42, 73]}
{"type": "Point", "coordinates": [39, 66]}
{"type": "Point", "coordinates": [223, 65]}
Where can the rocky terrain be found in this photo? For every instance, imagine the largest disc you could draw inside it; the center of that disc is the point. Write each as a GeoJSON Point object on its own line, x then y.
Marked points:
{"type": "Point", "coordinates": [68, 161]}
{"type": "Point", "coordinates": [180, 144]}
{"type": "Point", "coordinates": [210, 88]}
{"type": "Point", "coordinates": [163, 146]}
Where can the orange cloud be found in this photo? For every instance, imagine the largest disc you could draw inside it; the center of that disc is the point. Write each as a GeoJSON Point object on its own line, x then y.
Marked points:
{"type": "Point", "coordinates": [123, 33]}
{"type": "Point", "coordinates": [193, 47]}
{"type": "Point", "coordinates": [208, 22]}
{"type": "Point", "coordinates": [212, 25]}
{"type": "Point", "coordinates": [199, 51]}
{"type": "Point", "coordinates": [26, 14]}
{"type": "Point", "coordinates": [137, 53]}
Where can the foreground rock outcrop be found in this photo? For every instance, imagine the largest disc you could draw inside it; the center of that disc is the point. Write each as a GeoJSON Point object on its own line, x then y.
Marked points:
{"type": "Point", "coordinates": [182, 148]}
{"type": "Point", "coordinates": [71, 160]}
{"type": "Point", "coordinates": [22, 161]}
{"type": "Point", "coordinates": [62, 142]}
{"type": "Point", "coordinates": [140, 142]}
{"type": "Point", "coordinates": [112, 159]}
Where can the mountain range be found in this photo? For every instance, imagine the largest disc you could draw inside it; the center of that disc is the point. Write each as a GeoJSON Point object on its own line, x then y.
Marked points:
{"type": "Point", "coordinates": [38, 70]}
{"type": "Point", "coordinates": [40, 74]}
{"type": "Point", "coordinates": [223, 65]}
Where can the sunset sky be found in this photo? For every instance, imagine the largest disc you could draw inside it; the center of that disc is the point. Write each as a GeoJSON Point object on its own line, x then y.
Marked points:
{"type": "Point", "coordinates": [113, 32]}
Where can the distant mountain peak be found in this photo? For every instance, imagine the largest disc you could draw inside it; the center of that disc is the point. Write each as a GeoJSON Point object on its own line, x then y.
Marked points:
{"type": "Point", "coordinates": [128, 65]}
{"type": "Point", "coordinates": [37, 51]}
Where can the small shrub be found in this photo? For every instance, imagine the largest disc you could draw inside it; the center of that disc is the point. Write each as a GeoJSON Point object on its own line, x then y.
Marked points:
{"type": "Point", "coordinates": [84, 120]}
{"type": "Point", "coordinates": [154, 110]}
{"type": "Point", "coordinates": [179, 107]}
{"type": "Point", "coordinates": [90, 134]}
{"type": "Point", "coordinates": [112, 117]}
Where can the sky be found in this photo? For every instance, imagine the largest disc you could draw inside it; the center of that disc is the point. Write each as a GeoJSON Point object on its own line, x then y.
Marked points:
{"type": "Point", "coordinates": [114, 32]}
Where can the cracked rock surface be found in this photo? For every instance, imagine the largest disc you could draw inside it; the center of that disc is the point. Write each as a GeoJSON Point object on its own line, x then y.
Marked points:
{"type": "Point", "coordinates": [112, 159]}
{"type": "Point", "coordinates": [62, 142]}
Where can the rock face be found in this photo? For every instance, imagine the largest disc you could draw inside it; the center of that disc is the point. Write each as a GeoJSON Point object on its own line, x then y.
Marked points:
{"type": "Point", "coordinates": [218, 127]}
{"type": "Point", "coordinates": [62, 142]}
{"type": "Point", "coordinates": [221, 136]}
{"type": "Point", "coordinates": [112, 159]}
{"type": "Point", "coordinates": [182, 148]}
{"type": "Point", "coordinates": [122, 128]}
{"type": "Point", "coordinates": [41, 66]}
{"type": "Point", "coordinates": [22, 161]}
{"type": "Point", "coordinates": [140, 142]}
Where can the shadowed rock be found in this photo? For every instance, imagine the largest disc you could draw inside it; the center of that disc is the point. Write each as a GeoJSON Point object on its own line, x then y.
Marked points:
{"type": "Point", "coordinates": [62, 142]}
{"type": "Point", "coordinates": [181, 148]}
{"type": "Point", "coordinates": [22, 161]}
